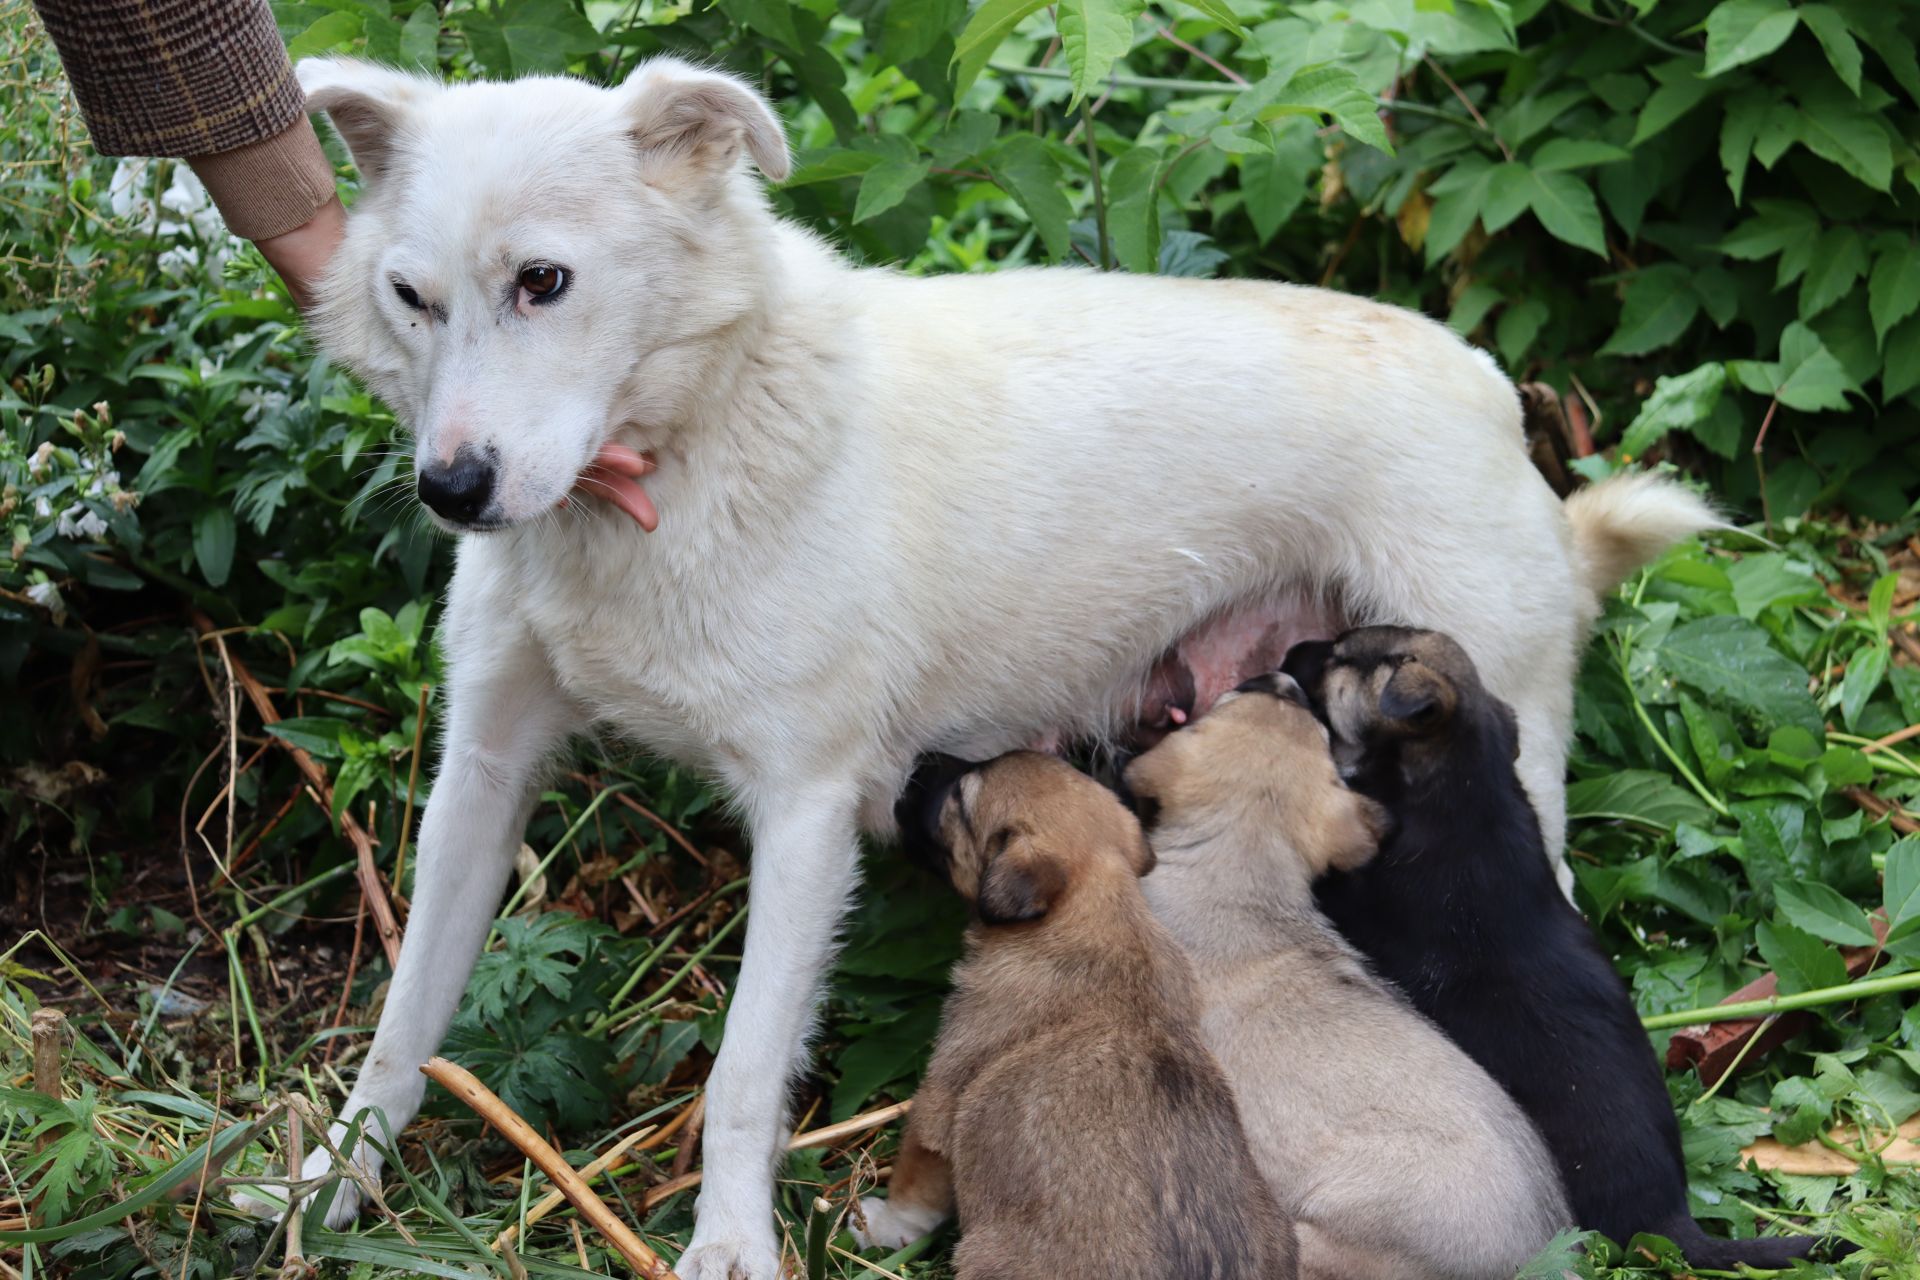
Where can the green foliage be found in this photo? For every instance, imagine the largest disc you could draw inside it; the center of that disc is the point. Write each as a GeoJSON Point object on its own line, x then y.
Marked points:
{"type": "Point", "coordinates": [1694, 217]}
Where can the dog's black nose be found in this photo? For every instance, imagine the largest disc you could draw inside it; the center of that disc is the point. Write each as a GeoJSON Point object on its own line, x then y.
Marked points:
{"type": "Point", "coordinates": [1307, 664]}
{"type": "Point", "coordinates": [918, 809]}
{"type": "Point", "coordinates": [457, 490]}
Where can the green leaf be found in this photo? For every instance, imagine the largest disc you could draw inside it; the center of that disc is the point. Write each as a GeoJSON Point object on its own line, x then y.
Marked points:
{"type": "Point", "coordinates": [1824, 912]}
{"type": "Point", "coordinates": [772, 19]}
{"type": "Point", "coordinates": [1457, 197]}
{"type": "Point", "coordinates": [1519, 325]}
{"type": "Point", "coordinates": [1028, 171]}
{"type": "Point", "coordinates": [1771, 580]}
{"type": "Point", "coordinates": [1319, 89]}
{"type": "Point", "coordinates": [1734, 661]}
{"type": "Point", "coordinates": [886, 185]}
{"type": "Point", "coordinates": [1636, 795]}
{"type": "Point", "coordinates": [1830, 28]}
{"type": "Point", "coordinates": [1811, 378]}
{"type": "Point", "coordinates": [1902, 887]}
{"type": "Point", "coordinates": [326, 33]}
{"type": "Point", "coordinates": [1094, 34]}
{"type": "Point", "coordinates": [545, 35]}
{"type": "Point", "coordinates": [1133, 208]}
{"type": "Point", "coordinates": [316, 735]}
{"type": "Point", "coordinates": [1779, 225]}
{"type": "Point", "coordinates": [1799, 960]}
{"type": "Point", "coordinates": [420, 38]}
{"type": "Point", "coordinates": [1566, 208]}
{"type": "Point", "coordinates": [1902, 371]}
{"type": "Point", "coordinates": [1660, 303]}
{"type": "Point", "coordinates": [911, 29]}
{"type": "Point", "coordinates": [1739, 31]}
{"type": "Point", "coordinates": [1509, 187]}
{"type": "Point", "coordinates": [1220, 13]}
{"type": "Point", "coordinates": [990, 24]}
{"type": "Point", "coordinates": [1839, 259]}
{"type": "Point", "coordinates": [1842, 131]}
{"type": "Point", "coordinates": [1894, 290]}
{"type": "Point", "coordinates": [1575, 153]}
{"type": "Point", "coordinates": [1275, 183]}
{"type": "Point", "coordinates": [213, 540]}
{"type": "Point", "coordinates": [1674, 98]}
{"type": "Point", "coordinates": [1865, 670]}
{"type": "Point", "coordinates": [1678, 403]}
{"type": "Point", "coordinates": [1746, 113]}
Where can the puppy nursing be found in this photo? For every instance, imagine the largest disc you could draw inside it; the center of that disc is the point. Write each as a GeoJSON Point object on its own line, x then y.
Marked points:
{"type": "Point", "coordinates": [1070, 1114]}
{"type": "Point", "coordinates": [1461, 910]}
{"type": "Point", "coordinates": [1397, 1156]}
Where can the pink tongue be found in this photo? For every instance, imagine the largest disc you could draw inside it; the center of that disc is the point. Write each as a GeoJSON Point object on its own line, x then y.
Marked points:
{"type": "Point", "coordinates": [614, 476]}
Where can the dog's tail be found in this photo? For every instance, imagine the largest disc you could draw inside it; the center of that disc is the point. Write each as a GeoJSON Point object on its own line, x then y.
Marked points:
{"type": "Point", "coordinates": [1767, 1253]}
{"type": "Point", "coordinates": [1623, 522]}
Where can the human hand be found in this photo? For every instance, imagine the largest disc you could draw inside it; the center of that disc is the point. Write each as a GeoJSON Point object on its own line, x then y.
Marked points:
{"type": "Point", "coordinates": [301, 255]}
{"type": "Point", "coordinates": [614, 476]}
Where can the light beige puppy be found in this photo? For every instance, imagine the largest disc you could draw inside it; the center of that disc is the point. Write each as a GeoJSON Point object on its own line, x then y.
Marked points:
{"type": "Point", "coordinates": [1399, 1158]}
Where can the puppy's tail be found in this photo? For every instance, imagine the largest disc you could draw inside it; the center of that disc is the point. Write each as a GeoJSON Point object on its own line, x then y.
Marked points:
{"type": "Point", "coordinates": [1766, 1253]}
{"type": "Point", "coordinates": [1623, 522]}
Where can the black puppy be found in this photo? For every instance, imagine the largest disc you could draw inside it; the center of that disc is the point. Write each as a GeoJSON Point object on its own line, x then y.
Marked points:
{"type": "Point", "coordinates": [1461, 909]}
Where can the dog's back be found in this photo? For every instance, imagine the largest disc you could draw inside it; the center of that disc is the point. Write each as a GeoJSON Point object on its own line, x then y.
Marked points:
{"type": "Point", "coordinates": [1100, 1138]}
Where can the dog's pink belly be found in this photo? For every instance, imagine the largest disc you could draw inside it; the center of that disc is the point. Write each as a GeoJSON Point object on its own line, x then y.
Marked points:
{"type": "Point", "coordinates": [1213, 659]}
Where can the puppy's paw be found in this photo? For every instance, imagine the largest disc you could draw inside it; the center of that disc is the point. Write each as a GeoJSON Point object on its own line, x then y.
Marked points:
{"type": "Point", "coordinates": [735, 1259]}
{"type": "Point", "coordinates": [891, 1226]}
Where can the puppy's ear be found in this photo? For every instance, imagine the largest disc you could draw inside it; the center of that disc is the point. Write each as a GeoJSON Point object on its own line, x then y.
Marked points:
{"type": "Point", "coordinates": [1021, 883]}
{"type": "Point", "coordinates": [1349, 833]}
{"type": "Point", "coordinates": [368, 104]}
{"type": "Point", "coordinates": [1418, 697]}
{"type": "Point", "coordinates": [699, 118]}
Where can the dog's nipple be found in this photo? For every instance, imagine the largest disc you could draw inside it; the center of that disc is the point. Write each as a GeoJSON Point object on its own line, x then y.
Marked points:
{"type": "Point", "coordinates": [1176, 715]}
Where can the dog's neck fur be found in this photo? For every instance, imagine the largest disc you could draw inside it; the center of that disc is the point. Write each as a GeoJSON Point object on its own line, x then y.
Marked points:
{"type": "Point", "coordinates": [1226, 885]}
{"type": "Point", "coordinates": [1461, 822]}
{"type": "Point", "coordinates": [1100, 937]}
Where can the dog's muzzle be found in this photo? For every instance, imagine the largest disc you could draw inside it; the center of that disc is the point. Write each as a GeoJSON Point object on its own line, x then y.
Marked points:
{"type": "Point", "coordinates": [917, 811]}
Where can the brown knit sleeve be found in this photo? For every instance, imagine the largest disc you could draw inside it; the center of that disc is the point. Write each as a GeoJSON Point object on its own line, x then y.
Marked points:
{"type": "Point", "coordinates": [175, 77]}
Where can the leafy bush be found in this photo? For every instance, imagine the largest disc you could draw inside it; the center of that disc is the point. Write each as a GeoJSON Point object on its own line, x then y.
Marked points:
{"type": "Point", "coordinates": [1692, 218]}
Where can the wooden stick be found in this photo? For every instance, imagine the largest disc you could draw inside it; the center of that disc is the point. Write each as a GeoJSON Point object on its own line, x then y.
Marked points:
{"type": "Point", "coordinates": [462, 1084]}
{"type": "Point", "coordinates": [822, 1137]}
{"type": "Point", "coordinates": [553, 1199]}
{"type": "Point", "coordinates": [49, 1043]}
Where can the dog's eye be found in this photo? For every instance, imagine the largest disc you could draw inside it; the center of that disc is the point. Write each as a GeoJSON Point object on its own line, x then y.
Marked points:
{"type": "Point", "coordinates": [543, 282]}
{"type": "Point", "coordinates": [407, 295]}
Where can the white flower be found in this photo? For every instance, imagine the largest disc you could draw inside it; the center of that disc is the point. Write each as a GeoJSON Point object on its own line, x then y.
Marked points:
{"type": "Point", "coordinates": [208, 368]}
{"type": "Point", "coordinates": [260, 402]}
{"type": "Point", "coordinates": [181, 260]}
{"type": "Point", "coordinates": [37, 465]}
{"type": "Point", "coordinates": [47, 596]}
{"type": "Point", "coordinates": [42, 508]}
{"type": "Point", "coordinates": [81, 522]}
{"type": "Point", "coordinates": [127, 192]}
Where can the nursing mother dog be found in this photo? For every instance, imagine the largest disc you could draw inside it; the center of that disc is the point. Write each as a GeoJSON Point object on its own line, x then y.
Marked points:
{"type": "Point", "coordinates": [894, 514]}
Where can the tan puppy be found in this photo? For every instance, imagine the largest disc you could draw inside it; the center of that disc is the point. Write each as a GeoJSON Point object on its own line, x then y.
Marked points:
{"type": "Point", "coordinates": [1398, 1157]}
{"type": "Point", "coordinates": [1070, 1113]}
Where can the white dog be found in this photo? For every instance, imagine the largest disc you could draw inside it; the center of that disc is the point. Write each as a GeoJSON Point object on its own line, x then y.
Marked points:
{"type": "Point", "coordinates": [895, 514]}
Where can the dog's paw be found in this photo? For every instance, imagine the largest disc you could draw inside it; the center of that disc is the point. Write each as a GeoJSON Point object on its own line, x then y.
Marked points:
{"type": "Point", "coordinates": [730, 1260]}
{"type": "Point", "coordinates": [891, 1226]}
{"type": "Point", "coordinates": [347, 1196]}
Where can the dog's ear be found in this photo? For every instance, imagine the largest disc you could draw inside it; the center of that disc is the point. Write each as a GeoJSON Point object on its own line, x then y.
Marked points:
{"type": "Point", "coordinates": [702, 118]}
{"type": "Point", "coordinates": [367, 103]}
{"type": "Point", "coordinates": [1417, 696]}
{"type": "Point", "coordinates": [1020, 883]}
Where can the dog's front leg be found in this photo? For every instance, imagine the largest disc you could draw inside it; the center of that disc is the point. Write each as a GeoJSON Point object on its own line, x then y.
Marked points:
{"type": "Point", "coordinates": [805, 855]}
{"type": "Point", "coordinates": [505, 716]}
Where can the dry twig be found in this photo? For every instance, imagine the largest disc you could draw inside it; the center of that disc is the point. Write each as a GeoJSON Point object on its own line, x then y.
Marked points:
{"type": "Point", "coordinates": [464, 1086]}
{"type": "Point", "coordinates": [823, 1137]}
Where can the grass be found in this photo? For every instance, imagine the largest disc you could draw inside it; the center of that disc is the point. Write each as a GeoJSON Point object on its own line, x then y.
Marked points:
{"type": "Point", "coordinates": [1714, 836]}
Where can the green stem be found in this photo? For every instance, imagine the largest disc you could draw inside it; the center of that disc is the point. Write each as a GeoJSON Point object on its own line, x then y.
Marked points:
{"type": "Point", "coordinates": [593, 806]}
{"type": "Point", "coordinates": [1886, 759]}
{"type": "Point", "coordinates": [640, 971]}
{"type": "Point", "coordinates": [1223, 86]}
{"type": "Point", "coordinates": [1713, 802]}
{"type": "Point", "coordinates": [1099, 197]}
{"type": "Point", "coordinates": [819, 1226]}
{"type": "Point", "coordinates": [666, 988]}
{"type": "Point", "coordinates": [274, 903]}
{"type": "Point", "coordinates": [1852, 991]}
